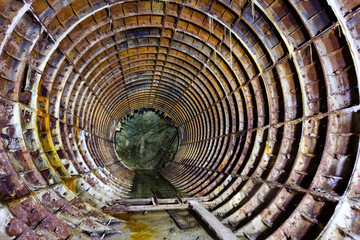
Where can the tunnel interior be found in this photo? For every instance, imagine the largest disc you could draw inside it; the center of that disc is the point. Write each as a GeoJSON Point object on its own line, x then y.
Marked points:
{"type": "Point", "coordinates": [146, 139]}
{"type": "Point", "coordinates": [263, 94]}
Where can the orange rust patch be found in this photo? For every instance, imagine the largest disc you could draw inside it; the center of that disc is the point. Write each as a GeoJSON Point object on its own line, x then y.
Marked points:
{"type": "Point", "coordinates": [71, 183]}
{"type": "Point", "coordinates": [138, 230]}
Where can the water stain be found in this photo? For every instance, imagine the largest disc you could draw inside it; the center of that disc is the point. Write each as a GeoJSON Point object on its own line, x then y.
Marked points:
{"type": "Point", "coordinates": [138, 230]}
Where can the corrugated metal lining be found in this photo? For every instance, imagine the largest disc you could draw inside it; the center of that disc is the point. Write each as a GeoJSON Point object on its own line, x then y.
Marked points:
{"type": "Point", "coordinates": [265, 94]}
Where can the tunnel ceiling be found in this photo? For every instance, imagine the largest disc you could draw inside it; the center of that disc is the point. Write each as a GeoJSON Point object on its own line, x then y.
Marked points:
{"type": "Point", "coordinates": [264, 93]}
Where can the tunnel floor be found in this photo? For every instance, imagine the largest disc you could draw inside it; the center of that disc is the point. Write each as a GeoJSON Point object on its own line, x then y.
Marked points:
{"type": "Point", "coordinates": [174, 224]}
{"type": "Point", "coordinates": [148, 182]}
{"type": "Point", "coordinates": [158, 225]}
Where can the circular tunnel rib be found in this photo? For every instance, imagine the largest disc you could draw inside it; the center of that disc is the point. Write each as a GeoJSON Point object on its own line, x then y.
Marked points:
{"type": "Point", "coordinates": [265, 96]}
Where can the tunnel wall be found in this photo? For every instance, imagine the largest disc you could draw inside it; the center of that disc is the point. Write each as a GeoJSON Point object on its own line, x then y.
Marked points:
{"type": "Point", "coordinates": [265, 95]}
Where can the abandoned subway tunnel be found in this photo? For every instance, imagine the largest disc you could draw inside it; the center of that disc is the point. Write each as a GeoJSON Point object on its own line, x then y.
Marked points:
{"type": "Point", "coordinates": [264, 95]}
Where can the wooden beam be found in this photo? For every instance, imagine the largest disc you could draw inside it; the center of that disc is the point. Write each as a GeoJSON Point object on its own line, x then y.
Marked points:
{"type": "Point", "coordinates": [219, 229]}
{"type": "Point", "coordinates": [141, 208]}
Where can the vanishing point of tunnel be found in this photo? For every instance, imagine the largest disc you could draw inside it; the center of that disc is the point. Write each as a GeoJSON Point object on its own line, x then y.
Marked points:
{"type": "Point", "coordinates": [263, 97]}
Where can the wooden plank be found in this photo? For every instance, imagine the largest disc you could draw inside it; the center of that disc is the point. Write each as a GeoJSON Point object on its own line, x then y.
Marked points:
{"type": "Point", "coordinates": [140, 208]}
{"type": "Point", "coordinates": [143, 201]}
{"type": "Point", "coordinates": [219, 229]}
{"type": "Point", "coordinates": [178, 219]}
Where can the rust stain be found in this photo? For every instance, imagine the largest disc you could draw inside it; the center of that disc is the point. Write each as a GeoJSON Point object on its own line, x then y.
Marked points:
{"type": "Point", "coordinates": [138, 230]}
{"type": "Point", "coordinates": [71, 184]}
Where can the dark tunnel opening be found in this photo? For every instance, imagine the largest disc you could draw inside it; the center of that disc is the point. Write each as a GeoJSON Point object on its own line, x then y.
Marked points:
{"type": "Point", "coordinates": [146, 141]}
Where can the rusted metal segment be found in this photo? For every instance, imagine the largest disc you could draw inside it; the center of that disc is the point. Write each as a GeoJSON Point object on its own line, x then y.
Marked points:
{"type": "Point", "coordinates": [12, 227]}
{"type": "Point", "coordinates": [118, 56]}
{"type": "Point", "coordinates": [47, 147]}
{"type": "Point", "coordinates": [320, 116]}
{"type": "Point", "coordinates": [329, 195]}
{"type": "Point", "coordinates": [265, 95]}
{"type": "Point", "coordinates": [347, 208]}
{"type": "Point", "coordinates": [167, 51]}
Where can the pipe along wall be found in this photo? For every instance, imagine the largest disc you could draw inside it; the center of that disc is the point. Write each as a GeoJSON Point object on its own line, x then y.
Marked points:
{"type": "Point", "coordinates": [264, 93]}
